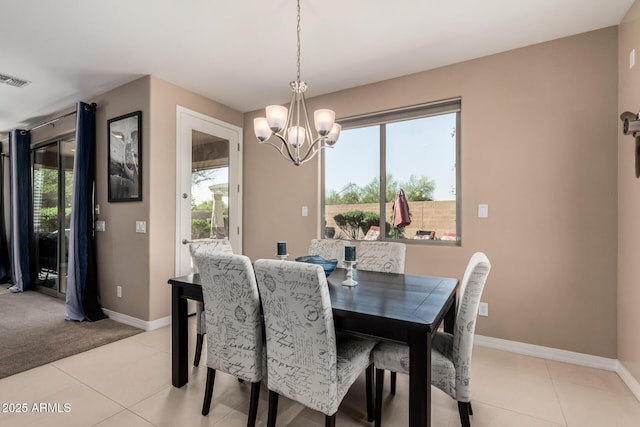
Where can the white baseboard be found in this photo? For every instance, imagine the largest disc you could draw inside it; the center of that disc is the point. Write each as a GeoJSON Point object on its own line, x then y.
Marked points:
{"type": "Point", "coordinates": [138, 323]}
{"type": "Point", "coordinates": [629, 380]}
{"type": "Point", "coordinates": [548, 353]}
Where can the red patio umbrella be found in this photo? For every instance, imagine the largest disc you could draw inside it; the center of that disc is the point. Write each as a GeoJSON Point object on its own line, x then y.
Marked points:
{"type": "Point", "coordinates": [401, 216]}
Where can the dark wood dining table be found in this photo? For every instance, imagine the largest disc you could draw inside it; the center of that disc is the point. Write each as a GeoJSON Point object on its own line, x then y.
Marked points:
{"type": "Point", "coordinates": [404, 308]}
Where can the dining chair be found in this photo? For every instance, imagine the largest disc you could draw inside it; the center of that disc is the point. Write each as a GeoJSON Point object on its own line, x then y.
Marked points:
{"type": "Point", "coordinates": [205, 246]}
{"type": "Point", "coordinates": [306, 361]}
{"type": "Point", "coordinates": [450, 354]}
{"type": "Point", "coordinates": [386, 257]}
{"type": "Point", "coordinates": [329, 249]}
{"type": "Point", "coordinates": [233, 319]}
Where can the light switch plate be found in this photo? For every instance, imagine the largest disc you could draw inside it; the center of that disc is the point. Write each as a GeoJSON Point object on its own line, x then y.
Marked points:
{"type": "Point", "coordinates": [141, 226]}
{"type": "Point", "coordinates": [483, 211]}
{"type": "Point", "coordinates": [483, 309]}
{"type": "Point", "coordinates": [305, 211]}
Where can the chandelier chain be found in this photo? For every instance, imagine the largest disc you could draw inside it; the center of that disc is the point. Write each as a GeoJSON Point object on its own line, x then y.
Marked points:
{"type": "Point", "coordinates": [298, 33]}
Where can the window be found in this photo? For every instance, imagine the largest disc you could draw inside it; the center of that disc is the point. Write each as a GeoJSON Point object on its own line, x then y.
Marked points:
{"type": "Point", "coordinates": [415, 150]}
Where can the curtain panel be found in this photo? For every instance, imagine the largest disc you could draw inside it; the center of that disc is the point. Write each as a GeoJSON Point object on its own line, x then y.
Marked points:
{"type": "Point", "coordinates": [20, 190]}
{"type": "Point", "coordinates": [82, 301]}
{"type": "Point", "coordinates": [5, 263]}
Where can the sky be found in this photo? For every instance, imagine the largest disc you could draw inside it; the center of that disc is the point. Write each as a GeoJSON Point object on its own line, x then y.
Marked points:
{"type": "Point", "coordinates": [422, 146]}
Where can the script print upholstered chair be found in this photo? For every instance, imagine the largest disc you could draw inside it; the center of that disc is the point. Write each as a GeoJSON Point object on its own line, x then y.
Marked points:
{"type": "Point", "coordinates": [450, 354]}
{"type": "Point", "coordinates": [234, 325]}
{"type": "Point", "coordinates": [205, 246]}
{"type": "Point", "coordinates": [386, 257]}
{"type": "Point", "coordinates": [305, 360]}
{"type": "Point", "coordinates": [329, 249]}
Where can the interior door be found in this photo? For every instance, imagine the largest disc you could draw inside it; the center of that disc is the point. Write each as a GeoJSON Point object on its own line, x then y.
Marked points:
{"type": "Point", "coordinates": [209, 196]}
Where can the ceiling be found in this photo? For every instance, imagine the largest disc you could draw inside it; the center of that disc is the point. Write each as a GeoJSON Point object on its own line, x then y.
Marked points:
{"type": "Point", "coordinates": [242, 53]}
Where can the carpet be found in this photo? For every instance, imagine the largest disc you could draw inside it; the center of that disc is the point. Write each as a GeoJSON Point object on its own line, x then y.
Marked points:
{"type": "Point", "coordinates": [33, 332]}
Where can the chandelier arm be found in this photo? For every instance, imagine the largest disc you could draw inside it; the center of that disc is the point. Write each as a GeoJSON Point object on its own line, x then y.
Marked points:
{"type": "Point", "coordinates": [286, 154]}
{"type": "Point", "coordinates": [283, 142]}
{"type": "Point", "coordinates": [314, 147]}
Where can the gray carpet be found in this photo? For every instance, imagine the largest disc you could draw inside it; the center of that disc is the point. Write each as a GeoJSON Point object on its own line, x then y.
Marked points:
{"type": "Point", "coordinates": [33, 332]}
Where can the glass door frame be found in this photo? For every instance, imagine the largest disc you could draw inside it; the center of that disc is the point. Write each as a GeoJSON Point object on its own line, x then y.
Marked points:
{"type": "Point", "coordinates": [60, 247]}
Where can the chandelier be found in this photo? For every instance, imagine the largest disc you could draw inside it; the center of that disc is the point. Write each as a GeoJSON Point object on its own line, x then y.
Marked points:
{"type": "Point", "coordinates": [291, 127]}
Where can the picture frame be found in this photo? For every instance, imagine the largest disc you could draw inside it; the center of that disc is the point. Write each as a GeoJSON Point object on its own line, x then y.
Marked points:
{"type": "Point", "coordinates": [124, 135]}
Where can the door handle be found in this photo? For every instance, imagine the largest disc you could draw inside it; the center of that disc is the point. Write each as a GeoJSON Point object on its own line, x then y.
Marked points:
{"type": "Point", "coordinates": [185, 196]}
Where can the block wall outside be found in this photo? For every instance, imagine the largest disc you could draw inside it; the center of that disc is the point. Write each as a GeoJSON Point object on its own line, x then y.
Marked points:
{"type": "Point", "coordinates": [439, 216]}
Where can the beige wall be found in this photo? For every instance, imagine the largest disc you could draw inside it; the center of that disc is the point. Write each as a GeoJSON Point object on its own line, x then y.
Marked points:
{"type": "Point", "coordinates": [629, 200]}
{"type": "Point", "coordinates": [538, 146]}
{"type": "Point", "coordinates": [123, 255]}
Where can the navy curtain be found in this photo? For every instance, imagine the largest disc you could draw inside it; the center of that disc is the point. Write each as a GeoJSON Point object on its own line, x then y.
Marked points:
{"type": "Point", "coordinates": [5, 266]}
{"type": "Point", "coordinates": [82, 282]}
{"type": "Point", "coordinates": [19, 147]}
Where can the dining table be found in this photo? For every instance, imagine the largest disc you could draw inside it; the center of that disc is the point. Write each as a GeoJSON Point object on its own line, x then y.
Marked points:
{"type": "Point", "coordinates": [404, 308]}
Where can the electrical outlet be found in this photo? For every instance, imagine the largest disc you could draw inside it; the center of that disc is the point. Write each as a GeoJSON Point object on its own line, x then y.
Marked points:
{"type": "Point", "coordinates": [100, 226]}
{"type": "Point", "coordinates": [119, 291]}
{"type": "Point", "coordinates": [483, 310]}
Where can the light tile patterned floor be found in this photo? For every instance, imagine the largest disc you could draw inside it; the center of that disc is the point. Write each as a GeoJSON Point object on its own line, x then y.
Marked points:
{"type": "Point", "coordinates": [128, 383]}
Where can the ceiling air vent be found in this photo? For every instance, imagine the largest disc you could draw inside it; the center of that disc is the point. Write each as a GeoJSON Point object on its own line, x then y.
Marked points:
{"type": "Point", "coordinates": [13, 81]}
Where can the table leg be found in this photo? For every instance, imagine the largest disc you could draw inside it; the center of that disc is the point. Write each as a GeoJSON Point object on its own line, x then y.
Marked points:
{"type": "Point", "coordinates": [419, 379]}
{"type": "Point", "coordinates": [450, 318]}
{"type": "Point", "coordinates": [179, 338]}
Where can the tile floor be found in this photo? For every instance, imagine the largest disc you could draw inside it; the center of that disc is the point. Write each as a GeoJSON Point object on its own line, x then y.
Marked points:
{"type": "Point", "coordinates": [128, 383]}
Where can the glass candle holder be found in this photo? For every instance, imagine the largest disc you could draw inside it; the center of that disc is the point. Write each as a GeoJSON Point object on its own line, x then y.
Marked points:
{"type": "Point", "coordinates": [282, 248]}
{"type": "Point", "coordinates": [349, 253]}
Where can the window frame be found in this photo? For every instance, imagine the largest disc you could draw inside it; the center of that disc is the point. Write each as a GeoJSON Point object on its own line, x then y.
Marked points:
{"type": "Point", "coordinates": [381, 119]}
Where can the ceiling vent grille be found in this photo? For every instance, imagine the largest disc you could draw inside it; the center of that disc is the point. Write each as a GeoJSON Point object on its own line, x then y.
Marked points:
{"type": "Point", "coordinates": [13, 81]}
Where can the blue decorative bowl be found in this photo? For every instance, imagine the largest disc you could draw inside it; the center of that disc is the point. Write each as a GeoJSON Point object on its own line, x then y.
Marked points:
{"type": "Point", "coordinates": [327, 264]}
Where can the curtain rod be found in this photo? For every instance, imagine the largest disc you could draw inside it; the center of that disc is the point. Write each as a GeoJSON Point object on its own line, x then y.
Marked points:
{"type": "Point", "coordinates": [52, 121]}
{"type": "Point", "coordinates": [64, 116]}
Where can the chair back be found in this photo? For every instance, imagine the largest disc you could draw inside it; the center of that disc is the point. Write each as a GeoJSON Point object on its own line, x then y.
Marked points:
{"type": "Point", "coordinates": [232, 309]}
{"type": "Point", "coordinates": [300, 335]}
{"type": "Point", "coordinates": [386, 257]}
{"type": "Point", "coordinates": [471, 289]}
{"type": "Point", "coordinates": [329, 249]}
{"type": "Point", "coordinates": [211, 245]}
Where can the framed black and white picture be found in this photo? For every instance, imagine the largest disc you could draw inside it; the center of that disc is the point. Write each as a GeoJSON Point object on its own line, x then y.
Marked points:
{"type": "Point", "coordinates": [125, 157]}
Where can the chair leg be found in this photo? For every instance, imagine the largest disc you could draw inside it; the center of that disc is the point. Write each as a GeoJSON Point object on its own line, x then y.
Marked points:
{"type": "Point", "coordinates": [369, 385]}
{"type": "Point", "coordinates": [379, 386]}
{"type": "Point", "coordinates": [393, 383]}
{"type": "Point", "coordinates": [208, 390]}
{"type": "Point", "coordinates": [253, 406]}
{"type": "Point", "coordinates": [199, 340]}
{"type": "Point", "coordinates": [463, 408]}
{"type": "Point", "coordinates": [330, 420]}
{"type": "Point", "coordinates": [470, 409]}
{"type": "Point", "coordinates": [273, 408]}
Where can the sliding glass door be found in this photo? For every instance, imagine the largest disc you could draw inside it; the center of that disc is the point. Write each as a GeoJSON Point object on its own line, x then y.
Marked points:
{"type": "Point", "coordinates": [51, 207]}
